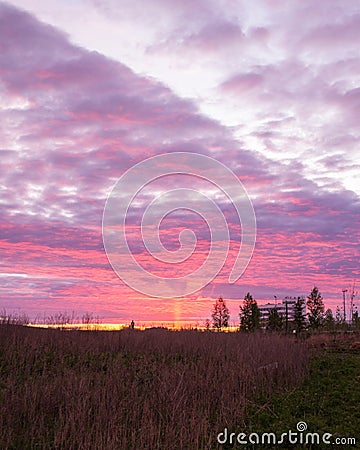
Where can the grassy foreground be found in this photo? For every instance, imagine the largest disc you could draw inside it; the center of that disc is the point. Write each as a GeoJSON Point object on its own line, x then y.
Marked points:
{"type": "Point", "coordinates": [328, 400]}
{"type": "Point", "coordinates": [131, 389]}
{"type": "Point", "coordinates": [158, 389]}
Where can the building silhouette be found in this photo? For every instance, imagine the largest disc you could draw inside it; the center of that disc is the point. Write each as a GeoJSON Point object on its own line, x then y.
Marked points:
{"type": "Point", "coordinates": [281, 308]}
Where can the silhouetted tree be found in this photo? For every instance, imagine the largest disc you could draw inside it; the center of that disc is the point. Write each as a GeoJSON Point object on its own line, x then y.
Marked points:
{"type": "Point", "coordinates": [339, 317]}
{"type": "Point", "coordinates": [62, 319]}
{"type": "Point", "coordinates": [249, 314]}
{"type": "Point", "coordinates": [299, 315]}
{"type": "Point", "coordinates": [220, 315]}
{"type": "Point", "coordinates": [275, 320]}
{"type": "Point", "coordinates": [89, 318]}
{"type": "Point", "coordinates": [356, 319]}
{"type": "Point", "coordinates": [329, 321]}
{"type": "Point", "coordinates": [316, 308]}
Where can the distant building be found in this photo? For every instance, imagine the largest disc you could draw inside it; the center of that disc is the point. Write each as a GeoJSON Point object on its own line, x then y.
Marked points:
{"type": "Point", "coordinates": [280, 306]}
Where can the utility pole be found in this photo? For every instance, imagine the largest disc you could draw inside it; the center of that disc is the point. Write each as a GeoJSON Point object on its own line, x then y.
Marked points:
{"type": "Point", "coordinates": [344, 291]}
{"type": "Point", "coordinates": [286, 316]}
{"type": "Point", "coordinates": [352, 296]}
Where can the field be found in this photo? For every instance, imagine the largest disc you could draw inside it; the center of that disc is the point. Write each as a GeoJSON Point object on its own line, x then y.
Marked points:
{"type": "Point", "coordinates": [160, 389]}
{"type": "Point", "coordinates": [130, 389]}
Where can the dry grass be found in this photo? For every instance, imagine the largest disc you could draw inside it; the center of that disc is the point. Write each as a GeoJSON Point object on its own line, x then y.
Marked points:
{"type": "Point", "coordinates": [153, 389]}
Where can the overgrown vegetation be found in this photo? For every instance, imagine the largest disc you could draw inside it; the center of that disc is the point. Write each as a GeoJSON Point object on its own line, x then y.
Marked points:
{"type": "Point", "coordinates": [58, 318]}
{"type": "Point", "coordinates": [328, 399]}
{"type": "Point", "coordinates": [154, 389]}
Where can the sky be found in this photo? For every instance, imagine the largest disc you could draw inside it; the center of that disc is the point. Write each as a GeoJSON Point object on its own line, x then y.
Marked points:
{"type": "Point", "coordinates": [90, 88]}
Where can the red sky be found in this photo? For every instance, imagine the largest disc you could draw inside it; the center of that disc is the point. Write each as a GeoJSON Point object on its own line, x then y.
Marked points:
{"type": "Point", "coordinates": [74, 119]}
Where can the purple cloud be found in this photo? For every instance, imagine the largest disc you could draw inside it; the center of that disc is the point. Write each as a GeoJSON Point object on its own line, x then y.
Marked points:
{"type": "Point", "coordinates": [72, 121]}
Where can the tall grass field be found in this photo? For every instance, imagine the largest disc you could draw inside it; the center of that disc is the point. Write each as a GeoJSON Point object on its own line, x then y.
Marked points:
{"type": "Point", "coordinates": [129, 389]}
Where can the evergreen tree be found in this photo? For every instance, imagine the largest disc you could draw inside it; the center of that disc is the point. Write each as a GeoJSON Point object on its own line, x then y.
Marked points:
{"type": "Point", "coordinates": [329, 320]}
{"type": "Point", "coordinates": [299, 316]}
{"type": "Point", "coordinates": [220, 315]}
{"type": "Point", "coordinates": [275, 320]}
{"type": "Point", "coordinates": [316, 308]}
{"type": "Point", "coordinates": [249, 314]}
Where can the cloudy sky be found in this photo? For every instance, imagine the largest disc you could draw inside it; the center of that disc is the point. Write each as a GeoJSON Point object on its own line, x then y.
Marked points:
{"type": "Point", "coordinates": [89, 88]}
